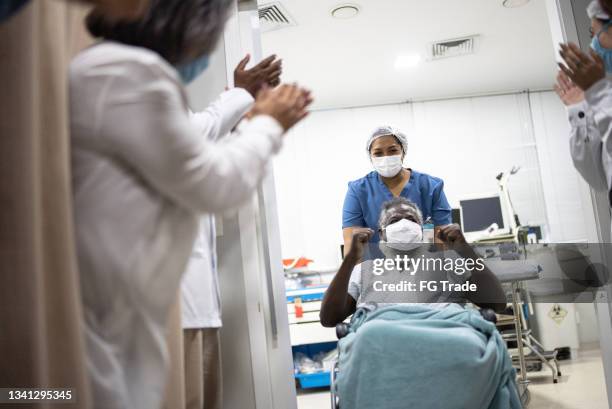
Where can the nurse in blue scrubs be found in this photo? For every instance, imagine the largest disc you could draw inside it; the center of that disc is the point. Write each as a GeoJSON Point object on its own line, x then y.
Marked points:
{"type": "Point", "coordinates": [365, 196]}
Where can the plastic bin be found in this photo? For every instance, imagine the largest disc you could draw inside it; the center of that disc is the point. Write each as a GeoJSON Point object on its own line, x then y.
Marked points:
{"type": "Point", "coordinates": [314, 380]}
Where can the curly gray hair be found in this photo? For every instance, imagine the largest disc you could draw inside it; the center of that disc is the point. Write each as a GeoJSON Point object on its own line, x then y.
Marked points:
{"type": "Point", "coordinates": [391, 207]}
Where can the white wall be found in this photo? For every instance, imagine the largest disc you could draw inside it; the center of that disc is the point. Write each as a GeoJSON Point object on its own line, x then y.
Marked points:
{"type": "Point", "coordinates": [465, 141]}
{"type": "Point", "coordinates": [566, 202]}
{"type": "Point", "coordinates": [588, 329]}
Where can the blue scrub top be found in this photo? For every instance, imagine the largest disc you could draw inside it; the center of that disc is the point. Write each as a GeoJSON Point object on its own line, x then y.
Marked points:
{"type": "Point", "coordinates": [366, 196]}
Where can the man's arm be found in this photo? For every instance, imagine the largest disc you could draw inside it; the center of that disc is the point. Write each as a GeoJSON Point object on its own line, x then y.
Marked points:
{"type": "Point", "coordinates": [347, 236]}
{"type": "Point", "coordinates": [490, 293]}
{"type": "Point", "coordinates": [337, 303]}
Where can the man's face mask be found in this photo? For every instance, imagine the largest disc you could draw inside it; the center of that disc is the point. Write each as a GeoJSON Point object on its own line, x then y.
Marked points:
{"type": "Point", "coordinates": [604, 53]}
{"type": "Point", "coordinates": [403, 235]}
{"type": "Point", "coordinates": [190, 71]}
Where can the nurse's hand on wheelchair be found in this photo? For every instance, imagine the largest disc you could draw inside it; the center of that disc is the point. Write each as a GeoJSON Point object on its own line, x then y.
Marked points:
{"type": "Point", "coordinates": [361, 237]}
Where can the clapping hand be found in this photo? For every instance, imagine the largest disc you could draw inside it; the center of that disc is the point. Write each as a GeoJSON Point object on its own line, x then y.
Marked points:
{"type": "Point", "coordinates": [288, 104]}
{"type": "Point", "coordinates": [582, 69]}
{"type": "Point", "coordinates": [567, 91]}
{"type": "Point", "coordinates": [266, 73]}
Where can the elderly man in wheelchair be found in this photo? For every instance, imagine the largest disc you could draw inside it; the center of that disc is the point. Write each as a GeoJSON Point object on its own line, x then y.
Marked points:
{"type": "Point", "coordinates": [416, 339]}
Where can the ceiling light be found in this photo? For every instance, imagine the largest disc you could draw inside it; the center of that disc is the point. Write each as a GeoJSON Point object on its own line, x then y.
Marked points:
{"type": "Point", "coordinates": [407, 61]}
{"type": "Point", "coordinates": [345, 11]}
{"type": "Point", "coordinates": [514, 3]}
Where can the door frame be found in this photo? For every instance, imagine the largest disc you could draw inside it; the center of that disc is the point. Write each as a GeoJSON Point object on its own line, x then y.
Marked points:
{"type": "Point", "coordinates": [569, 23]}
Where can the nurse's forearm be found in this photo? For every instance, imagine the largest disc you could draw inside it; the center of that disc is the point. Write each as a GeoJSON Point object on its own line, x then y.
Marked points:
{"type": "Point", "coordinates": [334, 307]}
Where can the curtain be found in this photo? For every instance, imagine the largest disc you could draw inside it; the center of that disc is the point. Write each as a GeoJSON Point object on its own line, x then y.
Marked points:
{"type": "Point", "coordinates": [40, 308]}
{"type": "Point", "coordinates": [40, 312]}
{"type": "Point", "coordinates": [175, 388]}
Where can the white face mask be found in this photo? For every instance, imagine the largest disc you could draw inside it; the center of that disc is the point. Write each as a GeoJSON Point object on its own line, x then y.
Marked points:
{"type": "Point", "coordinates": [387, 166]}
{"type": "Point", "coordinates": [404, 235]}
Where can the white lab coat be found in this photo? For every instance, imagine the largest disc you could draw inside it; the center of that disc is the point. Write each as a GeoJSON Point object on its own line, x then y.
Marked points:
{"type": "Point", "coordinates": [200, 297]}
{"type": "Point", "coordinates": [590, 140]}
{"type": "Point", "coordinates": [141, 174]}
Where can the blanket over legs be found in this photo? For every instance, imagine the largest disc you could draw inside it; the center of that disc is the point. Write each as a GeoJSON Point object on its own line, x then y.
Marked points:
{"type": "Point", "coordinates": [415, 357]}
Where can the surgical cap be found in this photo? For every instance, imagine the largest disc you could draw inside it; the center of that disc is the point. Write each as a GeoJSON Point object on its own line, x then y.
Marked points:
{"type": "Point", "coordinates": [391, 207]}
{"type": "Point", "coordinates": [386, 131]}
{"type": "Point", "coordinates": [594, 10]}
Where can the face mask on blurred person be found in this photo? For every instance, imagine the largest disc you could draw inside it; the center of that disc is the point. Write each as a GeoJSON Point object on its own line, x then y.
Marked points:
{"type": "Point", "coordinates": [403, 235]}
{"type": "Point", "coordinates": [604, 53]}
{"type": "Point", "coordinates": [387, 166]}
{"type": "Point", "coordinates": [190, 71]}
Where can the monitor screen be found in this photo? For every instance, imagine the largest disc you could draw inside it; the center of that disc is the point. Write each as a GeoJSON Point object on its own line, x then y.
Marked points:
{"type": "Point", "coordinates": [478, 214]}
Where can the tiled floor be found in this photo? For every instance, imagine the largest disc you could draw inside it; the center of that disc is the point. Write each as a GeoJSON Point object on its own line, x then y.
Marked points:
{"type": "Point", "coordinates": [581, 386]}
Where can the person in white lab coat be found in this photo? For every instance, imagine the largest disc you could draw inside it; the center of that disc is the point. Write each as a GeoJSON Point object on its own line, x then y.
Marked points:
{"type": "Point", "coordinates": [200, 297]}
{"type": "Point", "coordinates": [584, 87]}
{"type": "Point", "coordinates": [142, 173]}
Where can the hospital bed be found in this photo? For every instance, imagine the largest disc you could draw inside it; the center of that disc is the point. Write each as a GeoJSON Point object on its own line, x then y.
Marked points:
{"type": "Point", "coordinates": [513, 273]}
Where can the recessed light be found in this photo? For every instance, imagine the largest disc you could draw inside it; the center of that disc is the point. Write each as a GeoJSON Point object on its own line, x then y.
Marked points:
{"type": "Point", "coordinates": [345, 11]}
{"type": "Point", "coordinates": [407, 61]}
{"type": "Point", "coordinates": [514, 3]}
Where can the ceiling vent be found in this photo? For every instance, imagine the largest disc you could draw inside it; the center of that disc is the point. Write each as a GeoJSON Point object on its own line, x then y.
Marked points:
{"type": "Point", "coordinates": [274, 16]}
{"type": "Point", "coordinates": [453, 48]}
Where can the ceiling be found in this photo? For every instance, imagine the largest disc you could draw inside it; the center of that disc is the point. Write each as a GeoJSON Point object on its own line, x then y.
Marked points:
{"type": "Point", "coordinates": [351, 62]}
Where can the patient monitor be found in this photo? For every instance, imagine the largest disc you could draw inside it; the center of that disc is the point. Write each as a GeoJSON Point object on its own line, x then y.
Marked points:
{"type": "Point", "coordinates": [483, 217]}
